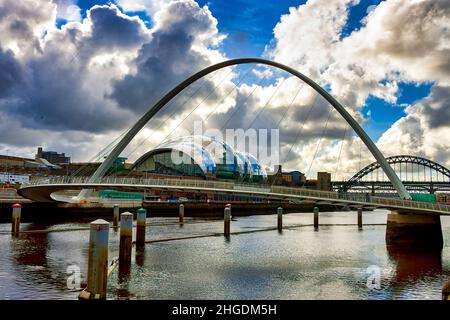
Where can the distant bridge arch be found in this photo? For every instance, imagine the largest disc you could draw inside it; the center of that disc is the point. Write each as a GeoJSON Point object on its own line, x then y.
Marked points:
{"type": "Point", "coordinates": [390, 173]}
{"type": "Point", "coordinates": [357, 177]}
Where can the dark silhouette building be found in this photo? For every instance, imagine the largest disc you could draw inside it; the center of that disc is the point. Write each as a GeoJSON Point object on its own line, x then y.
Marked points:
{"type": "Point", "coordinates": [52, 156]}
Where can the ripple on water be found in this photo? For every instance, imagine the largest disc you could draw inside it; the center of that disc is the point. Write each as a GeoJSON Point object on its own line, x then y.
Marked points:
{"type": "Point", "coordinates": [297, 264]}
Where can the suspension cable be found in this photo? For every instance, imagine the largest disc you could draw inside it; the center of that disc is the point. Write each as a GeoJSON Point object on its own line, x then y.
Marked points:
{"type": "Point", "coordinates": [320, 140]}
{"type": "Point", "coordinates": [290, 105]}
{"type": "Point", "coordinates": [170, 116]}
{"type": "Point", "coordinates": [240, 105]}
{"type": "Point", "coordinates": [267, 102]}
{"type": "Point", "coordinates": [176, 127]}
{"type": "Point", "coordinates": [301, 127]}
{"type": "Point", "coordinates": [340, 151]}
{"type": "Point", "coordinates": [223, 79]}
{"type": "Point", "coordinates": [98, 155]}
{"type": "Point", "coordinates": [226, 96]}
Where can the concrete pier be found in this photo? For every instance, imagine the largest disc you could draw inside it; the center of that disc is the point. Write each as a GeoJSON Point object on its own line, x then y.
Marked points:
{"type": "Point", "coordinates": [280, 219]}
{"type": "Point", "coordinates": [414, 230]}
{"type": "Point", "coordinates": [360, 224]}
{"type": "Point", "coordinates": [98, 261]}
{"type": "Point", "coordinates": [16, 215]}
{"type": "Point", "coordinates": [316, 218]}
{"type": "Point", "coordinates": [116, 213]}
{"type": "Point", "coordinates": [181, 214]}
{"type": "Point", "coordinates": [140, 227]}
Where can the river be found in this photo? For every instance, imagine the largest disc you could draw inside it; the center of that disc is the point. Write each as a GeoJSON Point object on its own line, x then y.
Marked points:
{"type": "Point", "coordinates": [337, 262]}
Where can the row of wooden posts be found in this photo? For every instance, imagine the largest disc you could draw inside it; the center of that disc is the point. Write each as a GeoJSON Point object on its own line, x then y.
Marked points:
{"type": "Point", "coordinates": [142, 215]}
{"type": "Point", "coordinates": [99, 238]}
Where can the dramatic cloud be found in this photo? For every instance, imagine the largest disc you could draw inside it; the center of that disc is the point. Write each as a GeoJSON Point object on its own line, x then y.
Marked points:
{"type": "Point", "coordinates": [398, 42]}
{"type": "Point", "coordinates": [67, 80]}
{"type": "Point", "coordinates": [424, 130]}
{"type": "Point", "coordinates": [180, 45]}
{"type": "Point", "coordinates": [80, 85]}
{"type": "Point", "coordinates": [63, 87]}
{"type": "Point", "coordinates": [23, 23]}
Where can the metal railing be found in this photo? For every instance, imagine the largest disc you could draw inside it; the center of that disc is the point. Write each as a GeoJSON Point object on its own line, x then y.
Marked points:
{"type": "Point", "coordinates": [246, 188]}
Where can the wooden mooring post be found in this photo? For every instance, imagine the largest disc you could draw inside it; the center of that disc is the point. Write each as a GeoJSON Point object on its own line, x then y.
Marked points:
{"type": "Point", "coordinates": [140, 227]}
{"type": "Point", "coordinates": [280, 219]}
{"type": "Point", "coordinates": [227, 221]}
{"type": "Point", "coordinates": [16, 214]}
{"type": "Point", "coordinates": [316, 218]}
{"type": "Point", "coordinates": [181, 214]}
{"type": "Point", "coordinates": [97, 261]}
{"type": "Point", "coordinates": [116, 214]}
{"type": "Point", "coordinates": [360, 224]}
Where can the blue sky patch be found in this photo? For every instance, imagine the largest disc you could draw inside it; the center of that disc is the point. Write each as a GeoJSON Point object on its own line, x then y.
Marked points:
{"type": "Point", "coordinates": [383, 114]}
{"type": "Point", "coordinates": [355, 16]}
{"type": "Point", "coordinates": [249, 24]}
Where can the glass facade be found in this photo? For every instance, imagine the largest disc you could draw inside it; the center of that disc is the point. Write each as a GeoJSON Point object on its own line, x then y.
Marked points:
{"type": "Point", "coordinates": [201, 156]}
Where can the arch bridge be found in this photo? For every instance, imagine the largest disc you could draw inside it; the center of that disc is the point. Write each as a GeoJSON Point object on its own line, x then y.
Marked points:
{"type": "Point", "coordinates": [418, 175]}
{"type": "Point", "coordinates": [421, 223]}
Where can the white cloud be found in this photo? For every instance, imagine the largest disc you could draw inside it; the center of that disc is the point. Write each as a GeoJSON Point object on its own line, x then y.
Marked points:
{"type": "Point", "coordinates": [398, 42]}
{"type": "Point", "coordinates": [68, 10]}
{"type": "Point", "coordinates": [78, 86]}
{"type": "Point", "coordinates": [23, 23]}
{"type": "Point", "coordinates": [59, 83]}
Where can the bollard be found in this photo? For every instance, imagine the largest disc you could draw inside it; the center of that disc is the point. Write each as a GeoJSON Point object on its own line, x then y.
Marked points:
{"type": "Point", "coordinates": [126, 233]}
{"type": "Point", "coordinates": [360, 218]}
{"type": "Point", "coordinates": [227, 220]}
{"type": "Point", "coordinates": [316, 218]}
{"type": "Point", "coordinates": [97, 262]}
{"type": "Point", "coordinates": [116, 213]}
{"type": "Point", "coordinates": [140, 227]}
{"type": "Point", "coordinates": [446, 291]}
{"type": "Point", "coordinates": [280, 218]}
{"type": "Point", "coordinates": [181, 214]}
{"type": "Point", "coordinates": [16, 213]}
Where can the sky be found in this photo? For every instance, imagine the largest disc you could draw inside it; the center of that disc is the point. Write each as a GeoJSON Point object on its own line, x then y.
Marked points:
{"type": "Point", "coordinates": [74, 74]}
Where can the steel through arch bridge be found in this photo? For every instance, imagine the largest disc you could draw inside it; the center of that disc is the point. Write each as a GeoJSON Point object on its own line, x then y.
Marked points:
{"type": "Point", "coordinates": [418, 178]}
{"type": "Point", "coordinates": [42, 189]}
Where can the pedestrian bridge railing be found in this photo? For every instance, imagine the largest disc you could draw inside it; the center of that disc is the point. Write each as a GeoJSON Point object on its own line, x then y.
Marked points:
{"type": "Point", "coordinates": [264, 190]}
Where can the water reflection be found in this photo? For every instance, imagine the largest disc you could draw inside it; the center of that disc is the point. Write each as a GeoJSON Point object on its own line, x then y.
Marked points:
{"type": "Point", "coordinates": [298, 264]}
{"type": "Point", "coordinates": [30, 249]}
{"type": "Point", "coordinates": [413, 264]}
{"type": "Point", "coordinates": [124, 272]}
{"type": "Point", "coordinates": [140, 256]}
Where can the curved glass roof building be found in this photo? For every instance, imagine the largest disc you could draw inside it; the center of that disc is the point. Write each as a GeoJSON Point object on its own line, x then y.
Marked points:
{"type": "Point", "coordinates": [201, 156]}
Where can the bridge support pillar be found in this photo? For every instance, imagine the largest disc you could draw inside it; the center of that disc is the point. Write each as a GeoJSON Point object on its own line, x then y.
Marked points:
{"type": "Point", "coordinates": [414, 230]}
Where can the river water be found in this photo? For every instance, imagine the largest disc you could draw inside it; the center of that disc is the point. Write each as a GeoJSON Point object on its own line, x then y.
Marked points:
{"type": "Point", "coordinates": [337, 262]}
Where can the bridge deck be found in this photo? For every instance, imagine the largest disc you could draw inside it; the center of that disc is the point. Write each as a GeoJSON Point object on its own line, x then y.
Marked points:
{"type": "Point", "coordinates": [40, 190]}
